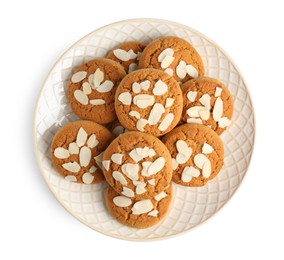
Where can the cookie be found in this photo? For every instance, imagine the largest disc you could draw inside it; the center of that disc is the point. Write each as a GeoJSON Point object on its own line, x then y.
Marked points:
{"type": "Point", "coordinates": [175, 56]}
{"type": "Point", "coordinates": [116, 128]}
{"type": "Point", "coordinates": [207, 101]}
{"type": "Point", "coordinates": [149, 101]}
{"type": "Point", "coordinates": [139, 213]}
{"type": "Point", "coordinates": [76, 151]}
{"type": "Point", "coordinates": [92, 88]}
{"type": "Point", "coordinates": [197, 154]}
{"type": "Point", "coordinates": [127, 54]}
{"type": "Point", "coordinates": [137, 165]}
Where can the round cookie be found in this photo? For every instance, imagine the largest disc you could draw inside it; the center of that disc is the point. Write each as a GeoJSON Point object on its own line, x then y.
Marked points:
{"type": "Point", "coordinates": [175, 56]}
{"type": "Point", "coordinates": [139, 213]}
{"type": "Point", "coordinates": [197, 154]}
{"type": "Point", "coordinates": [127, 54]}
{"type": "Point", "coordinates": [149, 101]}
{"type": "Point", "coordinates": [207, 101]}
{"type": "Point", "coordinates": [92, 88]}
{"type": "Point", "coordinates": [137, 165]}
{"type": "Point", "coordinates": [76, 151]}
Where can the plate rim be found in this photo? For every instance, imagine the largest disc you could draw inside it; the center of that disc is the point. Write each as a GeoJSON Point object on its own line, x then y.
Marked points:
{"type": "Point", "coordinates": [35, 144]}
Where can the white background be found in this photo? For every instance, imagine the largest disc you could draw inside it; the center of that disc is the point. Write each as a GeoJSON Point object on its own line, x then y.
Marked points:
{"type": "Point", "coordinates": [35, 33]}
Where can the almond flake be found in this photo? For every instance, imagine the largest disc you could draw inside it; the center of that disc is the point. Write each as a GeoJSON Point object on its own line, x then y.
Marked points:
{"type": "Point", "coordinates": [218, 92]}
{"type": "Point", "coordinates": [153, 213]}
{"type": "Point", "coordinates": [106, 164]}
{"type": "Point", "coordinates": [167, 61]}
{"type": "Point", "coordinates": [118, 130]}
{"type": "Point", "coordinates": [207, 148]}
{"type": "Point", "coordinates": [99, 159]}
{"type": "Point", "coordinates": [182, 147]}
{"type": "Point", "coordinates": [81, 137]}
{"type": "Point", "coordinates": [141, 123]}
{"type": "Point", "coordinates": [105, 87]}
{"type": "Point", "coordinates": [92, 141]}
{"type": "Point", "coordinates": [194, 121]}
{"type": "Point", "coordinates": [191, 95]}
{"type": "Point", "coordinates": [81, 97]}
{"type": "Point", "coordinates": [127, 192]}
{"type": "Point", "coordinates": [132, 67]}
{"type": "Point", "coordinates": [174, 163]}
{"type": "Point", "coordinates": [73, 148]}
{"type": "Point", "coordinates": [206, 170]}
{"type": "Point", "coordinates": [87, 178]}
{"type": "Point", "coordinates": [194, 111]}
{"type": "Point", "coordinates": [188, 173]}
{"type": "Point", "coordinates": [160, 196]}
{"type": "Point", "coordinates": [155, 114]}
{"type": "Point", "coordinates": [119, 177]}
{"type": "Point", "coordinates": [145, 85]}
{"type": "Point", "coordinates": [151, 182]}
{"type": "Point", "coordinates": [121, 54]}
{"type": "Point", "coordinates": [85, 156]}
{"type": "Point", "coordinates": [97, 102]}
{"type": "Point", "coordinates": [204, 114]}
{"type": "Point", "coordinates": [166, 122]}
{"type": "Point", "coordinates": [135, 156]}
{"type": "Point", "coordinates": [97, 78]}
{"type": "Point", "coordinates": [136, 87]}
{"type": "Point", "coordinates": [71, 166]}
{"type": "Point", "coordinates": [70, 178]}
{"type": "Point", "coordinates": [205, 101]}
{"type": "Point", "coordinates": [169, 71]}
{"type": "Point", "coordinates": [135, 114]}
{"type": "Point", "coordinates": [182, 158]}
{"type": "Point", "coordinates": [142, 206]}
{"type": "Point", "coordinates": [132, 54]}
{"type": "Point", "coordinates": [181, 69]}
{"type": "Point", "coordinates": [151, 152]}
{"type": "Point", "coordinates": [169, 102]}
{"type": "Point", "coordinates": [140, 188]}
{"type": "Point", "coordinates": [61, 153]}
{"type": "Point", "coordinates": [164, 53]}
{"type": "Point", "coordinates": [87, 88]}
{"type": "Point", "coordinates": [191, 71]}
{"type": "Point", "coordinates": [160, 88]}
{"type": "Point", "coordinates": [200, 159]}
{"type": "Point", "coordinates": [78, 76]}
{"type": "Point", "coordinates": [224, 122]}
{"type": "Point", "coordinates": [218, 109]}
{"type": "Point", "coordinates": [145, 166]}
{"type": "Point", "coordinates": [92, 169]}
{"type": "Point", "coordinates": [121, 201]}
{"type": "Point", "coordinates": [138, 55]}
{"type": "Point", "coordinates": [131, 170]}
{"type": "Point", "coordinates": [117, 158]}
{"type": "Point", "coordinates": [144, 100]}
{"type": "Point", "coordinates": [156, 166]}
{"type": "Point", "coordinates": [125, 98]}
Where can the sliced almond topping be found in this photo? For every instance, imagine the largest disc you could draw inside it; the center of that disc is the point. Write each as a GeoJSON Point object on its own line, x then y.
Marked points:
{"type": "Point", "coordinates": [121, 201]}
{"type": "Point", "coordinates": [127, 192]}
{"type": "Point", "coordinates": [125, 98]}
{"type": "Point", "coordinates": [174, 163]}
{"type": "Point", "coordinates": [152, 182]}
{"type": "Point", "coordinates": [131, 170]}
{"type": "Point", "coordinates": [78, 76]}
{"type": "Point", "coordinates": [200, 159]}
{"type": "Point", "coordinates": [206, 170]}
{"type": "Point", "coordinates": [99, 159]}
{"type": "Point", "coordinates": [92, 169]}
{"type": "Point", "coordinates": [204, 114]}
{"type": "Point", "coordinates": [73, 148]}
{"type": "Point", "coordinates": [141, 123]}
{"type": "Point", "coordinates": [166, 122]}
{"type": "Point", "coordinates": [160, 88]}
{"type": "Point", "coordinates": [132, 54]}
{"type": "Point", "coordinates": [167, 61]}
{"type": "Point", "coordinates": [81, 137]}
{"type": "Point", "coordinates": [92, 141]}
{"type": "Point", "coordinates": [224, 122]}
{"type": "Point", "coordinates": [218, 109]}
{"type": "Point", "coordinates": [182, 147]}
{"type": "Point", "coordinates": [160, 196]}
{"type": "Point", "coordinates": [138, 55]}
{"type": "Point", "coordinates": [87, 178]}
{"type": "Point", "coordinates": [106, 164]}
{"type": "Point", "coordinates": [155, 114]}
{"type": "Point", "coordinates": [135, 156]}
{"type": "Point", "coordinates": [121, 54]}
{"type": "Point", "coordinates": [132, 67]}
{"type": "Point", "coordinates": [97, 102]}
{"type": "Point", "coordinates": [194, 111]}
{"type": "Point", "coordinates": [118, 130]}
{"type": "Point", "coordinates": [156, 166]}
{"type": "Point", "coordinates": [85, 156]}
{"type": "Point", "coordinates": [181, 69]}
{"type": "Point", "coordinates": [140, 188]}
{"type": "Point", "coordinates": [61, 153]}
{"type": "Point", "coordinates": [218, 92]}
{"type": "Point", "coordinates": [151, 152]}
{"type": "Point", "coordinates": [117, 158]}
{"type": "Point", "coordinates": [188, 173]}
{"type": "Point", "coordinates": [164, 53]}
{"type": "Point", "coordinates": [87, 88]}
{"type": "Point", "coordinates": [81, 97]}
{"type": "Point", "coordinates": [71, 166]}
{"type": "Point", "coordinates": [169, 71]}
{"type": "Point", "coordinates": [145, 166]}
{"type": "Point", "coordinates": [70, 178]}
{"type": "Point", "coordinates": [153, 213]}
{"type": "Point", "coordinates": [105, 87]}
{"type": "Point", "coordinates": [119, 177]}
{"type": "Point", "coordinates": [144, 100]}
{"type": "Point", "coordinates": [136, 87]}
{"type": "Point", "coordinates": [135, 114]}
{"type": "Point", "coordinates": [194, 121]}
{"type": "Point", "coordinates": [142, 206]}
{"type": "Point", "coordinates": [97, 78]}
{"type": "Point", "coordinates": [182, 158]}
{"type": "Point", "coordinates": [145, 85]}
{"type": "Point", "coordinates": [191, 95]}
{"type": "Point", "coordinates": [191, 71]}
{"type": "Point", "coordinates": [205, 101]}
{"type": "Point", "coordinates": [169, 102]}
{"type": "Point", "coordinates": [207, 148]}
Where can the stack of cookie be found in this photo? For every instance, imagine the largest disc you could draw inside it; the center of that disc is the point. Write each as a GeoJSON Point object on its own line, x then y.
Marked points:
{"type": "Point", "coordinates": [149, 116]}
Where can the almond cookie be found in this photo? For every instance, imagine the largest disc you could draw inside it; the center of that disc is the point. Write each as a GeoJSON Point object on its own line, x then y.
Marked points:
{"type": "Point", "coordinates": [149, 101]}
{"type": "Point", "coordinates": [207, 101]}
{"type": "Point", "coordinates": [139, 213]}
{"type": "Point", "coordinates": [76, 151]}
{"type": "Point", "coordinates": [92, 88]}
{"type": "Point", "coordinates": [175, 56]}
{"type": "Point", "coordinates": [137, 165]}
{"type": "Point", "coordinates": [127, 54]}
{"type": "Point", "coordinates": [197, 154]}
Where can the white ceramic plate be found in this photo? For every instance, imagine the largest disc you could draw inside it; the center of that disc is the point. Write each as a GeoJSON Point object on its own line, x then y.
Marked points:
{"type": "Point", "coordinates": [191, 206]}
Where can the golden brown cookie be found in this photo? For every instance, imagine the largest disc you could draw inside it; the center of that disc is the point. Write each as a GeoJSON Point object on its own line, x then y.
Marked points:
{"type": "Point", "coordinates": [76, 151]}
{"type": "Point", "coordinates": [127, 54]}
{"type": "Point", "coordinates": [92, 88]}
{"type": "Point", "coordinates": [137, 165]}
{"type": "Point", "coordinates": [139, 213]}
{"type": "Point", "coordinates": [175, 56]}
{"type": "Point", "coordinates": [149, 101]}
{"type": "Point", "coordinates": [207, 101]}
{"type": "Point", "coordinates": [197, 154]}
